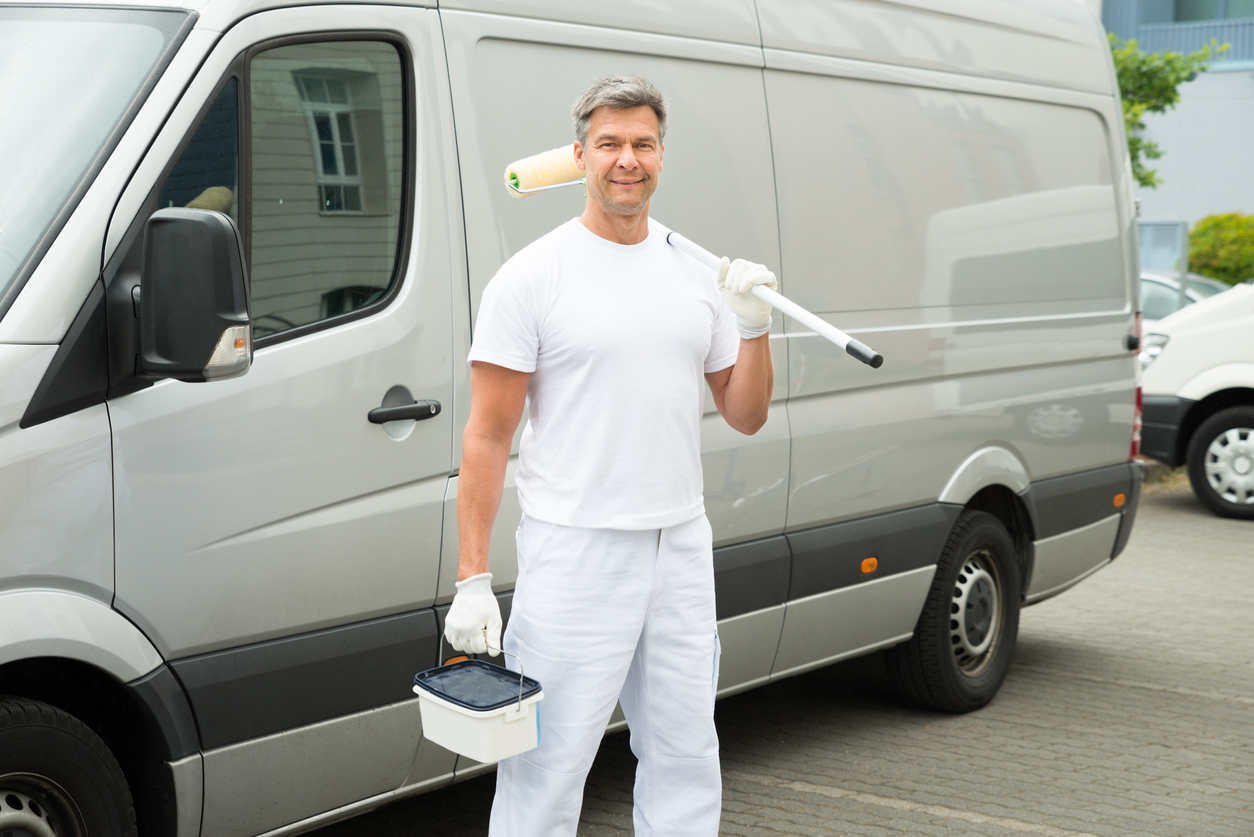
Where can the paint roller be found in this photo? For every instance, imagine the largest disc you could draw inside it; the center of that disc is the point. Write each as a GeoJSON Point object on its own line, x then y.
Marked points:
{"type": "Point", "coordinates": [555, 169]}
{"type": "Point", "coordinates": [542, 172]}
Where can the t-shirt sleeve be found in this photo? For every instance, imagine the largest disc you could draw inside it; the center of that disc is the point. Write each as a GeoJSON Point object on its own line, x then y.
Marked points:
{"type": "Point", "coordinates": [507, 329]}
{"type": "Point", "coordinates": [725, 339]}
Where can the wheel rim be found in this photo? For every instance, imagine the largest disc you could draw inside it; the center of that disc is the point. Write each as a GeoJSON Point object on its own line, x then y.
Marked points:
{"type": "Point", "coordinates": [35, 806]}
{"type": "Point", "coordinates": [975, 614]}
{"type": "Point", "coordinates": [1229, 465]}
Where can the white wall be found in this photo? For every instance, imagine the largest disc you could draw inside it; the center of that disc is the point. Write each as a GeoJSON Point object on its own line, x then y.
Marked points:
{"type": "Point", "coordinates": [1206, 167]}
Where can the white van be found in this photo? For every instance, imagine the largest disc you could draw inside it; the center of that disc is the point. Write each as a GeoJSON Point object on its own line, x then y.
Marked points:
{"type": "Point", "coordinates": [1199, 398]}
{"type": "Point", "coordinates": [241, 249]}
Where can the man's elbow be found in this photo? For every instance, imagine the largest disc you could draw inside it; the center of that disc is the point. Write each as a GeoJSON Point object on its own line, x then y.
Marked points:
{"type": "Point", "coordinates": [749, 425]}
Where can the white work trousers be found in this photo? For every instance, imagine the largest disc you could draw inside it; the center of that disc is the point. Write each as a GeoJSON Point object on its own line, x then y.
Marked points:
{"type": "Point", "coordinates": [604, 615]}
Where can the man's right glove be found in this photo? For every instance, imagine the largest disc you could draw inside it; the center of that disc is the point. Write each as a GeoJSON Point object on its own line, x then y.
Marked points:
{"type": "Point", "coordinates": [736, 279]}
{"type": "Point", "coordinates": [473, 624]}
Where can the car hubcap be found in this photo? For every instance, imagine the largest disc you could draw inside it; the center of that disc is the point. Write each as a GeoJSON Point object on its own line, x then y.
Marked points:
{"type": "Point", "coordinates": [1229, 465]}
{"type": "Point", "coordinates": [975, 612]}
{"type": "Point", "coordinates": [22, 816]}
{"type": "Point", "coordinates": [35, 806]}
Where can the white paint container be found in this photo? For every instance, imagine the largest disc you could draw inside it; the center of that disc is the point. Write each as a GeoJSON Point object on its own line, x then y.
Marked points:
{"type": "Point", "coordinates": [479, 710]}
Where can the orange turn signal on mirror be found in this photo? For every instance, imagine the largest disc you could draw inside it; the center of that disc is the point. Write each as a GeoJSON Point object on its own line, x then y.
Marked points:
{"type": "Point", "coordinates": [870, 565]}
{"type": "Point", "coordinates": [1120, 499]}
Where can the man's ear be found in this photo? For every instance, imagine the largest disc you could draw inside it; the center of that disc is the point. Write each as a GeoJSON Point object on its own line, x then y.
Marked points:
{"type": "Point", "coordinates": [579, 163]}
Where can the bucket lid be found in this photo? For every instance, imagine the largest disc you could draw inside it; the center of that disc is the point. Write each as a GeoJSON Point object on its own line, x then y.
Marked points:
{"type": "Point", "coordinates": [475, 685]}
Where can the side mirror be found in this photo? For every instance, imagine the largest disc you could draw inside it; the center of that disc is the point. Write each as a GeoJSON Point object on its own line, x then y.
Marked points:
{"type": "Point", "coordinates": [194, 319]}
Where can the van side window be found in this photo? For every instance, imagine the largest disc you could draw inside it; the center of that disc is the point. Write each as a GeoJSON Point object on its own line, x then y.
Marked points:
{"type": "Point", "coordinates": [327, 166]}
{"type": "Point", "coordinates": [206, 176]}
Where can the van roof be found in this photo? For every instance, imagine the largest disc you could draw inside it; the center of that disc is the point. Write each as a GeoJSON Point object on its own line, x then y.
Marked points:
{"type": "Point", "coordinates": [1057, 43]}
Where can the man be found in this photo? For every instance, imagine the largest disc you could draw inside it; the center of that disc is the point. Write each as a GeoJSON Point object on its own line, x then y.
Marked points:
{"type": "Point", "coordinates": [605, 331]}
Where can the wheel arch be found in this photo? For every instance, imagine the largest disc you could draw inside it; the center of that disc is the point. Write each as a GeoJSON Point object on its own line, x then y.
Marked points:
{"type": "Point", "coordinates": [1206, 407]}
{"type": "Point", "coordinates": [993, 479]}
{"type": "Point", "coordinates": [76, 654]}
{"type": "Point", "coordinates": [1009, 507]}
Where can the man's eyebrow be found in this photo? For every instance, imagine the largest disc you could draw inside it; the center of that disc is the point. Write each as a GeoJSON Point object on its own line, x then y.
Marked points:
{"type": "Point", "coordinates": [609, 136]}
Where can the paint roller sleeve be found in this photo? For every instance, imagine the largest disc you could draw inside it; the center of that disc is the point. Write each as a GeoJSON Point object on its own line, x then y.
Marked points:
{"type": "Point", "coordinates": [550, 168]}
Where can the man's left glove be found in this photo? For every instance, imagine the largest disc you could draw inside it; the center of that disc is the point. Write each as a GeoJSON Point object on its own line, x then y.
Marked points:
{"type": "Point", "coordinates": [735, 279]}
{"type": "Point", "coordinates": [473, 624]}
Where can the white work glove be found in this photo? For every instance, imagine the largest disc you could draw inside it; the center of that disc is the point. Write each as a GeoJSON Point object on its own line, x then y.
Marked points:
{"type": "Point", "coordinates": [735, 279]}
{"type": "Point", "coordinates": [473, 624]}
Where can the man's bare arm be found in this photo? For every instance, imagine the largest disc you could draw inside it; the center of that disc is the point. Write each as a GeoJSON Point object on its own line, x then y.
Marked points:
{"type": "Point", "coordinates": [497, 396]}
{"type": "Point", "coordinates": [742, 392]}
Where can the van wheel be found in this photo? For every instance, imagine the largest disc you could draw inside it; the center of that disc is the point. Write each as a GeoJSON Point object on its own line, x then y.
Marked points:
{"type": "Point", "coordinates": [1221, 463]}
{"type": "Point", "coordinates": [965, 637]}
{"type": "Point", "coordinates": [57, 778]}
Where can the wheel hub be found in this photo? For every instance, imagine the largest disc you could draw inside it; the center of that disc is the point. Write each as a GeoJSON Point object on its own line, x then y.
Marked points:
{"type": "Point", "coordinates": [1229, 465]}
{"type": "Point", "coordinates": [22, 816]}
{"type": "Point", "coordinates": [974, 613]}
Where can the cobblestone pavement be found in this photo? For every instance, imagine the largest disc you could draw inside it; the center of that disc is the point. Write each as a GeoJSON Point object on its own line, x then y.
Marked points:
{"type": "Point", "coordinates": [1129, 711]}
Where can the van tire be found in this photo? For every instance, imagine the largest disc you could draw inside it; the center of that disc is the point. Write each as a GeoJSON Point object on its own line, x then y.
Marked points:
{"type": "Point", "coordinates": [953, 665]}
{"type": "Point", "coordinates": [1206, 446]}
{"type": "Point", "coordinates": [58, 777]}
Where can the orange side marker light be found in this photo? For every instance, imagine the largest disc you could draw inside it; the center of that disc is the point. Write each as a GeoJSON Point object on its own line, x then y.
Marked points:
{"type": "Point", "coordinates": [870, 565]}
{"type": "Point", "coordinates": [1120, 499]}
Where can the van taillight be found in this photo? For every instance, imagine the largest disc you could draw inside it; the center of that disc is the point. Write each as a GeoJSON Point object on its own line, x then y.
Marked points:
{"type": "Point", "coordinates": [1136, 428]}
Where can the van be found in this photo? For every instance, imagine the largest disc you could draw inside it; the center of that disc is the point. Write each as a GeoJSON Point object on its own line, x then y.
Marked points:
{"type": "Point", "coordinates": [242, 247]}
{"type": "Point", "coordinates": [1199, 398]}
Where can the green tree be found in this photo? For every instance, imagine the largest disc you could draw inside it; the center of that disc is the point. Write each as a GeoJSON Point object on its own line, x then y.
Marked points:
{"type": "Point", "coordinates": [1149, 83]}
{"type": "Point", "coordinates": [1222, 247]}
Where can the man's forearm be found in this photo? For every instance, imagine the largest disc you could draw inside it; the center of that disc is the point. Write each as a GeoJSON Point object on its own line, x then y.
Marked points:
{"type": "Point", "coordinates": [747, 398]}
{"type": "Point", "coordinates": [479, 487]}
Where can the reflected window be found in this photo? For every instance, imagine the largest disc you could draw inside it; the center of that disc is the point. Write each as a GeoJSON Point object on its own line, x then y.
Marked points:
{"type": "Point", "coordinates": [327, 168]}
{"type": "Point", "coordinates": [329, 112]}
{"type": "Point", "coordinates": [969, 171]}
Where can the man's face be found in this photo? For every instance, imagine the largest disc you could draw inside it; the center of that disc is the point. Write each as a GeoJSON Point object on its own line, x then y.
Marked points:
{"type": "Point", "coordinates": [622, 159]}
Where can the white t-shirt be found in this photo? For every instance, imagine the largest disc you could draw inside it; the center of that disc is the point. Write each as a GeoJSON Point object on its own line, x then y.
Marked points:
{"type": "Point", "coordinates": [617, 338]}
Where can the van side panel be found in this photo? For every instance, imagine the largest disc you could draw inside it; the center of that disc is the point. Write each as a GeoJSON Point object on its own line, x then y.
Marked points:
{"type": "Point", "coordinates": [56, 518]}
{"type": "Point", "coordinates": [733, 21]}
{"type": "Point", "coordinates": [973, 241]}
{"type": "Point", "coordinates": [1059, 44]}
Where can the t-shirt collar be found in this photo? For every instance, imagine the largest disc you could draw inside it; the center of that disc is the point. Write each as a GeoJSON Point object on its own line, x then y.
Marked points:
{"type": "Point", "coordinates": [591, 239]}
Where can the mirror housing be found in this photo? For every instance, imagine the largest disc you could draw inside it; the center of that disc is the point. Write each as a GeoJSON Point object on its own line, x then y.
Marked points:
{"type": "Point", "coordinates": [194, 311]}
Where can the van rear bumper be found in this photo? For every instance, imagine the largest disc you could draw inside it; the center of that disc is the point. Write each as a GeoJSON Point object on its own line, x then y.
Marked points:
{"type": "Point", "coordinates": [1161, 419]}
{"type": "Point", "coordinates": [1083, 521]}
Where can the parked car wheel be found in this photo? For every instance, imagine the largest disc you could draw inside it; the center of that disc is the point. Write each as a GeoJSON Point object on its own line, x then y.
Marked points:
{"type": "Point", "coordinates": [965, 637]}
{"type": "Point", "coordinates": [1221, 463]}
{"type": "Point", "coordinates": [57, 778]}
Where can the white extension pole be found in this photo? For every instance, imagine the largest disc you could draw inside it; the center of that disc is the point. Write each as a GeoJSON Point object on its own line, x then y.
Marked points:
{"type": "Point", "coordinates": [856, 349]}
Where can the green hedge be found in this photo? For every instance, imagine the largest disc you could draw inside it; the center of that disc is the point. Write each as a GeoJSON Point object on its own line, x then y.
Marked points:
{"type": "Point", "coordinates": [1222, 247]}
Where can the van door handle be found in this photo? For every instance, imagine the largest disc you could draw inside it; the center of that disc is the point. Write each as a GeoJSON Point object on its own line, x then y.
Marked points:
{"type": "Point", "coordinates": [417, 411]}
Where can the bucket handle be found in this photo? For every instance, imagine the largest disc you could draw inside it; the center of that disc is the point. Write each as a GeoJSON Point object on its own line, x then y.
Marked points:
{"type": "Point", "coordinates": [503, 651]}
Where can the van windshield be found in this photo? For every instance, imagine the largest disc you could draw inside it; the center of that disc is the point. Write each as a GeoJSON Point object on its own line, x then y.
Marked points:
{"type": "Point", "coordinates": [67, 78]}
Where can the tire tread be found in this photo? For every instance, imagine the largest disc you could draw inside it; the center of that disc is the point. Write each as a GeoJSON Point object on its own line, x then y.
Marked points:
{"type": "Point", "coordinates": [19, 712]}
{"type": "Point", "coordinates": [916, 673]}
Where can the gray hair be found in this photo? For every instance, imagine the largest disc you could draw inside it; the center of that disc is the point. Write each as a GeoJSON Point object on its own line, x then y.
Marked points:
{"type": "Point", "coordinates": [620, 93]}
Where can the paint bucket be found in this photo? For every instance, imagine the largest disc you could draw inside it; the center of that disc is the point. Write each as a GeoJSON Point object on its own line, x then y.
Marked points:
{"type": "Point", "coordinates": [479, 710]}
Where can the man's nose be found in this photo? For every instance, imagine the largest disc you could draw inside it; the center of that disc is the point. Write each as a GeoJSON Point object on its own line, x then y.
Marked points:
{"type": "Point", "coordinates": [627, 158]}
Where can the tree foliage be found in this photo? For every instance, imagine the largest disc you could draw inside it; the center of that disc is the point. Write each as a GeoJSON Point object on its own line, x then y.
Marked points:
{"type": "Point", "coordinates": [1222, 247]}
{"type": "Point", "coordinates": [1149, 83]}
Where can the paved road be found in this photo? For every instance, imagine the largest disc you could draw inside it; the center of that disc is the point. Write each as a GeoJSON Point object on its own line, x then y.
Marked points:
{"type": "Point", "coordinates": [1129, 711]}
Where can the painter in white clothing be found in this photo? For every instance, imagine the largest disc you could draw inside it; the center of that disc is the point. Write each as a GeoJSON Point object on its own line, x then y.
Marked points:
{"type": "Point", "coordinates": [610, 336]}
